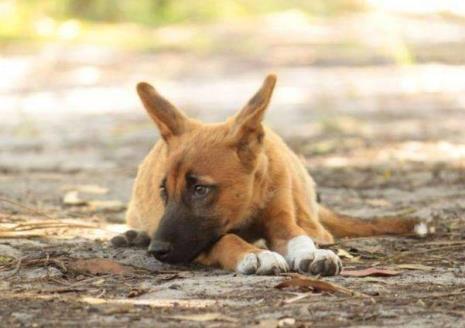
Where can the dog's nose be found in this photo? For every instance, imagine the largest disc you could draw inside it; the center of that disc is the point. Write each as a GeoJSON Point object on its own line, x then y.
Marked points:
{"type": "Point", "coordinates": [160, 249]}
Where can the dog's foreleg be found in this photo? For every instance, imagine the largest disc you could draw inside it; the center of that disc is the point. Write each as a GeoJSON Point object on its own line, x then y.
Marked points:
{"type": "Point", "coordinates": [284, 236]}
{"type": "Point", "coordinates": [235, 254]}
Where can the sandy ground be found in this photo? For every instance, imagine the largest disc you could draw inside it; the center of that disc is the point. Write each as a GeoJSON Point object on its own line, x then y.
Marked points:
{"type": "Point", "coordinates": [378, 139]}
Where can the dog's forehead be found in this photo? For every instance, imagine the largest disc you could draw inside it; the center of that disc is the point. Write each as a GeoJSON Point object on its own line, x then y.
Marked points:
{"type": "Point", "coordinates": [203, 160]}
{"type": "Point", "coordinates": [202, 155]}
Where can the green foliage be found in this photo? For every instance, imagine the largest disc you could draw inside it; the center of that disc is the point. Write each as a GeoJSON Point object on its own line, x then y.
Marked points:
{"type": "Point", "coordinates": [156, 12]}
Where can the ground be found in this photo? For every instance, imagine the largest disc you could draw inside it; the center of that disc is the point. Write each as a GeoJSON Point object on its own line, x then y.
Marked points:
{"type": "Point", "coordinates": [378, 139]}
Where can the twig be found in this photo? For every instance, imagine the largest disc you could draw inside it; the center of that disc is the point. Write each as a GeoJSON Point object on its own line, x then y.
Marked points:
{"type": "Point", "coordinates": [27, 263]}
{"type": "Point", "coordinates": [18, 267]}
{"type": "Point", "coordinates": [297, 298]}
{"type": "Point", "coordinates": [63, 290]}
{"type": "Point", "coordinates": [33, 210]}
{"type": "Point", "coordinates": [440, 295]}
{"type": "Point", "coordinates": [422, 251]}
{"type": "Point", "coordinates": [103, 292]}
{"type": "Point", "coordinates": [443, 242]}
{"type": "Point", "coordinates": [48, 225]}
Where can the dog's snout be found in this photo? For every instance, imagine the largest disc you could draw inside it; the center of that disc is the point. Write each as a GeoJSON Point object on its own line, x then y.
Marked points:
{"type": "Point", "coordinates": [160, 249]}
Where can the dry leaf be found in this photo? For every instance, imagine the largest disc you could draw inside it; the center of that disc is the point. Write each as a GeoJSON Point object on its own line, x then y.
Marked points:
{"type": "Point", "coordinates": [420, 267]}
{"type": "Point", "coordinates": [305, 284]}
{"type": "Point", "coordinates": [99, 266]}
{"type": "Point", "coordinates": [373, 272]}
{"type": "Point", "coordinates": [344, 254]}
{"type": "Point", "coordinates": [6, 259]}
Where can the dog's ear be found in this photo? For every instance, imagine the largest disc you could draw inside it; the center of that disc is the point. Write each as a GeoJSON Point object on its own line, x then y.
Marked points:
{"type": "Point", "coordinates": [169, 120]}
{"type": "Point", "coordinates": [247, 131]}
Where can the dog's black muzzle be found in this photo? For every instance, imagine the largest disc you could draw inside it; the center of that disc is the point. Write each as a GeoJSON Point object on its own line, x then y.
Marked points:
{"type": "Point", "coordinates": [181, 236]}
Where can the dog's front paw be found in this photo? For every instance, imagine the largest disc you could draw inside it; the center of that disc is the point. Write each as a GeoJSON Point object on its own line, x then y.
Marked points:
{"type": "Point", "coordinates": [131, 238]}
{"type": "Point", "coordinates": [303, 256]}
{"type": "Point", "coordinates": [263, 262]}
{"type": "Point", "coordinates": [322, 261]}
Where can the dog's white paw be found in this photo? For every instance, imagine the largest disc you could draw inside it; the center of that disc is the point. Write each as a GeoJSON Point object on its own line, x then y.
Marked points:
{"type": "Point", "coordinates": [303, 256]}
{"type": "Point", "coordinates": [263, 262]}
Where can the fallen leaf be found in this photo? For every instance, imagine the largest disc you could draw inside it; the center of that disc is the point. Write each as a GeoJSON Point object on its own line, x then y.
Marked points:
{"type": "Point", "coordinates": [203, 317]}
{"type": "Point", "coordinates": [6, 259]}
{"type": "Point", "coordinates": [99, 266]}
{"type": "Point", "coordinates": [136, 292]}
{"type": "Point", "coordinates": [344, 254]}
{"type": "Point", "coordinates": [374, 272]}
{"type": "Point", "coordinates": [421, 303]}
{"type": "Point", "coordinates": [72, 198]}
{"type": "Point", "coordinates": [420, 267]}
{"type": "Point", "coordinates": [305, 284]}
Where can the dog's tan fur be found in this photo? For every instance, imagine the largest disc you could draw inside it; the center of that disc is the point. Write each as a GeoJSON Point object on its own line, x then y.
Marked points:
{"type": "Point", "coordinates": [266, 192]}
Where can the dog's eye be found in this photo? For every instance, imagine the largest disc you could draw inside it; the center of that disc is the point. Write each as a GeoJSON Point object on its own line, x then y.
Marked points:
{"type": "Point", "coordinates": [163, 192]}
{"type": "Point", "coordinates": [201, 190]}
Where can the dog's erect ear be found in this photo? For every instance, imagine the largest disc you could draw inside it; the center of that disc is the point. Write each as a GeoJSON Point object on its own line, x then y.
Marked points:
{"type": "Point", "coordinates": [170, 120]}
{"type": "Point", "coordinates": [247, 130]}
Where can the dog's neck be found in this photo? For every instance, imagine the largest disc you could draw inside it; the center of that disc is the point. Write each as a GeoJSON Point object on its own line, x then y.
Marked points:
{"type": "Point", "coordinates": [261, 183]}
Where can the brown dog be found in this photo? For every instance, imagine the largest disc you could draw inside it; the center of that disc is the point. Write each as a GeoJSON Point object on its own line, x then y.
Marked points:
{"type": "Point", "coordinates": [206, 192]}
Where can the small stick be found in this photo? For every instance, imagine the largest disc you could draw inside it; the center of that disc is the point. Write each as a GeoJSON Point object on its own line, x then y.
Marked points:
{"type": "Point", "coordinates": [422, 251]}
{"type": "Point", "coordinates": [34, 210]}
{"type": "Point", "coordinates": [440, 295]}
{"type": "Point", "coordinates": [17, 268]}
{"type": "Point", "coordinates": [297, 298]}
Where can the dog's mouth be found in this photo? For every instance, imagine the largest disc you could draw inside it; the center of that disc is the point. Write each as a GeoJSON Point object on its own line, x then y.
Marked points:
{"type": "Point", "coordinates": [182, 240]}
{"type": "Point", "coordinates": [181, 252]}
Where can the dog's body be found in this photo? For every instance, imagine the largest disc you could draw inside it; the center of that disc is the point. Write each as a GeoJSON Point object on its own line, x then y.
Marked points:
{"type": "Point", "coordinates": [206, 192]}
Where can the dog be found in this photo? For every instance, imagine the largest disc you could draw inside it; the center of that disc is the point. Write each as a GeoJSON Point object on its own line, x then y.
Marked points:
{"type": "Point", "coordinates": [206, 193]}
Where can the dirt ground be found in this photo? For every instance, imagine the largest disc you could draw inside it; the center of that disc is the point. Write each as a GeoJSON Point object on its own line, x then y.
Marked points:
{"type": "Point", "coordinates": [379, 140]}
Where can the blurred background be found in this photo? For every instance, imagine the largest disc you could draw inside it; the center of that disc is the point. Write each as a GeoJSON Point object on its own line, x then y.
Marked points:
{"type": "Point", "coordinates": [371, 92]}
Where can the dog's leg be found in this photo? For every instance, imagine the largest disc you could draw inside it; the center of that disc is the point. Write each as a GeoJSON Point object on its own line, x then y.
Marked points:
{"type": "Point", "coordinates": [284, 236]}
{"type": "Point", "coordinates": [131, 238]}
{"type": "Point", "coordinates": [235, 254]}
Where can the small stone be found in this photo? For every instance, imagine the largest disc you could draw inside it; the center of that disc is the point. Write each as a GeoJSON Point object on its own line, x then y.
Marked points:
{"type": "Point", "coordinates": [286, 322]}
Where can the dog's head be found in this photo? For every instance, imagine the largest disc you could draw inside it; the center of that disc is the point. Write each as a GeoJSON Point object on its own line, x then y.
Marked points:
{"type": "Point", "coordinates": [211, 173]}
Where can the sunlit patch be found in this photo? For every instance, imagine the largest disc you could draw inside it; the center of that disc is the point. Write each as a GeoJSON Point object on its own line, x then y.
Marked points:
{"type": "Point", "coordinates": [87, 75]}
{"type": "Point", "coordinates": [420, 6]}
{"type": "Point", "coordinates": [411, 151]}
{"type": "Point", "coordinates": [69, 29]}
{"type": "Point", "coordinates": [45, 27]}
